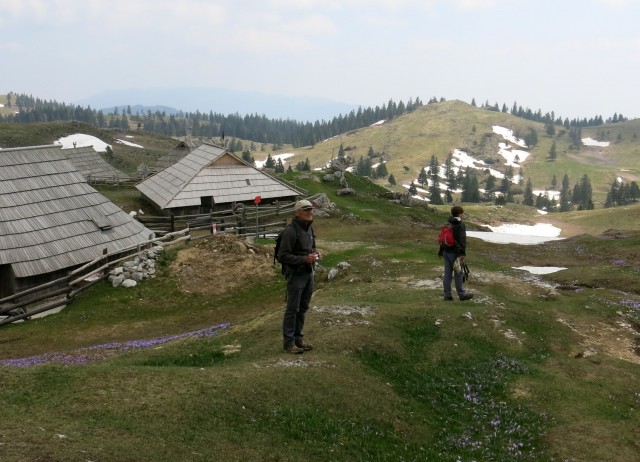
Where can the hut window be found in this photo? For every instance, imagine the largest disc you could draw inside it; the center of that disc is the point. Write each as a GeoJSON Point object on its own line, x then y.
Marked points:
{"type": "Point", "coordinates": [248, 182]}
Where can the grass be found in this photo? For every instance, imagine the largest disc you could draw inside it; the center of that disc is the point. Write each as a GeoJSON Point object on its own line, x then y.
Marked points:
{"type": "Point", "coordinates": [155, 374]}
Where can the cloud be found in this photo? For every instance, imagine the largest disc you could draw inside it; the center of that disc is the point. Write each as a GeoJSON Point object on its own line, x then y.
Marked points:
{"type": "Point", "coordinates": [116, 13]}
{"type": "Point", "coordinates": [617, 3]}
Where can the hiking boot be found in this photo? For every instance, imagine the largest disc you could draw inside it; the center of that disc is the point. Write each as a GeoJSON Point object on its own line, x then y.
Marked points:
{"type": "Point", "coordinates": [293, 350]}
{"type": "Point", "coordinates": [466, 297]}
{"type": "Point", "coordinates": [303, 345]}
{"type": "Point", "coordinates": [448, 299]}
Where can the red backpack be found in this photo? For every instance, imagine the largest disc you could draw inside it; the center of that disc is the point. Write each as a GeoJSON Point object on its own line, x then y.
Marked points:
{"type": "Point", "coordinates": [445, 238]}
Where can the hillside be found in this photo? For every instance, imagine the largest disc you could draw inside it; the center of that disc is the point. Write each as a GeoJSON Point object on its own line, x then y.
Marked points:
{"type": "Point", "coordinates": [437, 129]}
{"type": "Point", "coordinates": [125, 157]}
{"type": "Point", "coordinates": [407, 143]}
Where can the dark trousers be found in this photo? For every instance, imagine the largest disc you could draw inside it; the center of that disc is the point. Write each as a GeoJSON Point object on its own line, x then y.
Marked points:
{"type": "Point", "coordinates": [449, 274]}
{"type": "Point", "coordinates": [299, 291]}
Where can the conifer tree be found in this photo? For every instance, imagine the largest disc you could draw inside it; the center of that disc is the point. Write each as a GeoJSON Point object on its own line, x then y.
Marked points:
{"type": "Point", "coordinates": [528, 193]}
{"type": "Point", "coordinates": [413, 190]}
{"type": "Point", "coordinates": [246, 156]}
{"type": "Point", "coordinates": [553, 154]}
{"type": "Point", "coordinates": [269, 163]}
{"type": "Point", "coordinates": [490, 188]}
{"type": "Point", "coordinates": [422, 176]}
{"type": "Point", "coordinates": [449, 172]}
{"type": "Point", "coordinates": [565, 204]}
{"type": "Point", "coordinates": [381, 170]}
{"type": "Point", "coordinates": [392, 180]}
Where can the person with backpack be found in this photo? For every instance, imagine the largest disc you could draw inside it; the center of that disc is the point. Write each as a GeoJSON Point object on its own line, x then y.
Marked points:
{"type": "Point", "coordinates": [298, 254]}
{"type": "Point", "coordinates": [449, 253]}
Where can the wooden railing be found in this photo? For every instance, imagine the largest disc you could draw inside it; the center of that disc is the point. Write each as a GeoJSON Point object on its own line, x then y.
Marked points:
{"type": "Point", "coordinates": [62, 291]}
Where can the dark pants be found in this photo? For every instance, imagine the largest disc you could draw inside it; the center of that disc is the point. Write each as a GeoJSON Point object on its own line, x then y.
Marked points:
{"type": "Point", "coordinates": [449, 274]}
{"type": "Point", "coordinates": [299, 291]}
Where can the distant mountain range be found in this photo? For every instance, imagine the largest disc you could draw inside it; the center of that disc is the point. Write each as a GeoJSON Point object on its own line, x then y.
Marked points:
{"type": "Point", "coordinates": [218, 100]}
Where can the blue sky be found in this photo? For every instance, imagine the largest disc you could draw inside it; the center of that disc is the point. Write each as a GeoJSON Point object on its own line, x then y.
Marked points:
{"type": "Point", "coordinates": [579, 58]}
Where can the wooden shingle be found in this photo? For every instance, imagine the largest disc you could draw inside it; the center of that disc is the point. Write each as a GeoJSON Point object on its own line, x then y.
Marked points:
{"type": "Point", "coordinates": [51, 219]}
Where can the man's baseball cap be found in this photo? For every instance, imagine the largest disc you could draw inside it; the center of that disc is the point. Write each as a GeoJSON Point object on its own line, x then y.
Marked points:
{"type": "Point", "coordinates": [302, 205]}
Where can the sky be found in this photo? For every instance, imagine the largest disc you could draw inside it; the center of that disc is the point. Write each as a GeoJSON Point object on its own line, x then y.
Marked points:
{"type": "Point", "coordinates": [577, 58]}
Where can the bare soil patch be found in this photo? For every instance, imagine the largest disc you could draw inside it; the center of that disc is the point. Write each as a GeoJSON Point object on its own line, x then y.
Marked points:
{"type": "Point", "coordinates": [221, 264]}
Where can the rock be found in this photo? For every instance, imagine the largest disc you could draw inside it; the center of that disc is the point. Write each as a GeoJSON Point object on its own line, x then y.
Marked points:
{"type": "Point", "coordinates": [346, 192]}
{"type": "Point", "coordinates": [116, 280]}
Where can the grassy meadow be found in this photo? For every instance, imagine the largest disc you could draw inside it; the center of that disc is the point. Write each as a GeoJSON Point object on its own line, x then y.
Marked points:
{"type": "Point", "coordinates": [534, 368]}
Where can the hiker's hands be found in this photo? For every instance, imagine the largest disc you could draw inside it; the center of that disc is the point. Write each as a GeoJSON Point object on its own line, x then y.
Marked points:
{"type": "Point", "coordinates": [311, 258]}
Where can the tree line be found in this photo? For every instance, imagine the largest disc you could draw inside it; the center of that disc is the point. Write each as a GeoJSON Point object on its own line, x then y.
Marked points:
{"type": "Point", "coordinates": [439, 180]}
{"type": "Point", "coordinates": [258, 128]}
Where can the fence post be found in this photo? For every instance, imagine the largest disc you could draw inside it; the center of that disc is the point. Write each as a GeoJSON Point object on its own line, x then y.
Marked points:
{"type": "Point", "coordinates": [173, 222]}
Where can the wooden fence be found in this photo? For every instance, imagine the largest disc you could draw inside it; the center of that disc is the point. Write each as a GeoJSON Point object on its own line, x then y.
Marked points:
{"type": "Point", "coordinates": [242, 220]}
{"type": "Point", "coordinates": [62, 291]}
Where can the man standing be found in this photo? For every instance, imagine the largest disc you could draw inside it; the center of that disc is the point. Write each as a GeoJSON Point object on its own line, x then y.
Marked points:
{"type": "Point", "coordinates": [298, 254]}
{"type": "Point", "coordinates": [449, 254]}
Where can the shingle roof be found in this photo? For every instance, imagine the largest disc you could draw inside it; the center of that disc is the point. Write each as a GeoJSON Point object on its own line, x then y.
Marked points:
{"type": "Point", "coordinates": [89, 163]}
{"type": "Point", "coordinates": [51, 219]}
{"type": "Point", "coordinates": [211, 171]}
{"type": "Point", "coordinates": [182, 149]}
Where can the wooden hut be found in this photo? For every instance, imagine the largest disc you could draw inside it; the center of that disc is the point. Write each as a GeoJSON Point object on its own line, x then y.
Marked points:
{"type": "Point", "coordinates": [211, 178]}
{"type": "Point", "coordinates": [92, 166]}
{"type": "Point", "coordinates": [52, 221]}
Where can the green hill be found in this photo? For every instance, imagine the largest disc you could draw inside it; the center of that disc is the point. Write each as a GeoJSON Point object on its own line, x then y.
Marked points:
{"type": "Point", "coordinates": [437, 129]}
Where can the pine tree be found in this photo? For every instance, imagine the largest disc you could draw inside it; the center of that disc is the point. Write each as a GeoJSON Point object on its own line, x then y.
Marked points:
{"type": "Point", "coordinates": [553, 154]}
{"type": "Point", "coordinates": [392, 180]}
{"type": "Point", "coordinates": [412, 189]}
{"type": "Point", "coordinates": [381, 170]}
{"type": "Point", "coordinates": [246, 156]}
{"type": "Point", "coordinates": [269, 163]}
{"type": "Point", "coordinates": [449, 172]}
{"type": "Point", "coordinates": [528, 194]}
{"type": "Point", "coordinates": [565, 204]}
{"type": "Point", "coordinates": [490, 188]}
{"type": "Point", "coordinates": [422, 176]}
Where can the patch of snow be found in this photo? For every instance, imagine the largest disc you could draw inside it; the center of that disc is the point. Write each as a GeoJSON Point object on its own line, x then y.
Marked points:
{"type": "Point", "coordinates": [128, 143]}
{"type": "Point", "coordinates": [539, 229]}
{"type": "Point", "coordinates": [549, 194]}
{"type": "Point", "coordinates": [519, 234]}
{"type": "Point", "coordinates": [592, 142]}
{"type": "Point", "coordinates": [507, 134]}
{"type": "Point", "coordinates": [282, 157]}
{"type": "Point", "coordinates": [81, 140]}
{"type": "Point", "coordinates": [1, 105]}
{"type": "Point", "coordinates": [379, 122]}
{"type": "Point", "coordinates": [542, 212]}
{"type": "Point", "coordinates": [510, 155]}
{"type": "Point", "coordinates": [540, 269]}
